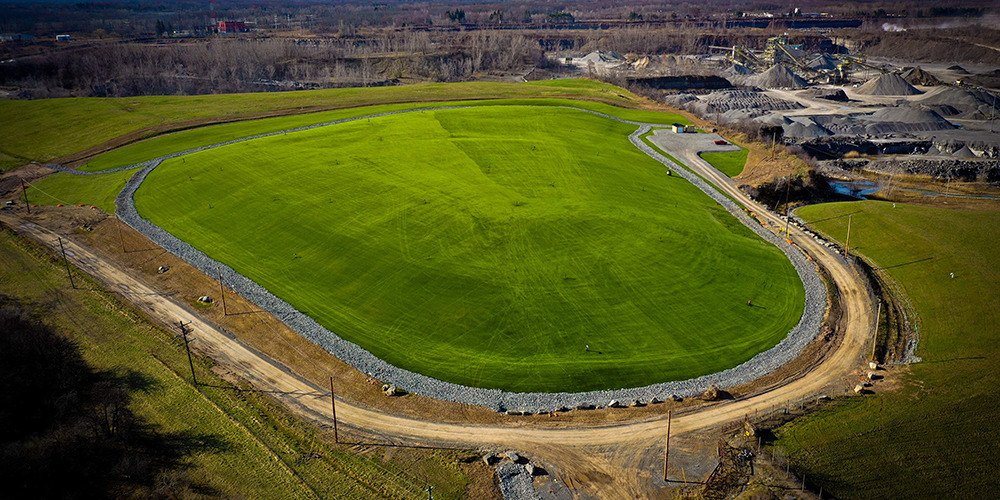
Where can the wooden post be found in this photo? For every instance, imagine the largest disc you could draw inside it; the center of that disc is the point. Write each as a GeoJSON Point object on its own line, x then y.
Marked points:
{"type": "Point", "coordinates": [850, 220]}
{"type": "Point", "coordinates": [187, 346]}
{"type": "Point", "coordinates": [666, 449]}
{"type": "Point", "coordinates": [24, 191]}
{"type": "Point", "coordinates": [222, 292]}
{"type": "Point", "coordinates": [66, 261]}
{"type": "Point", "coordinates": [333, 404]}
{"type": "Point", "coordinates": [875, 339]}
{"type": "Point", "coordinates": [121, 239]}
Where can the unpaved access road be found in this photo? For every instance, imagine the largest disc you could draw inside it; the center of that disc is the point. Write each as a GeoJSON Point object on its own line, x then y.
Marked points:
{"type": "Point", "coordinates": [607, 461]}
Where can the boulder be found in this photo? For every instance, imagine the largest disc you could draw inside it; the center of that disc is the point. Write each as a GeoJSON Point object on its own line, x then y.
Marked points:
{"type": "Point", "coordinates": [205, 299]}
{"type": "Point", "coordinates": [614, 403]}
{"type": "Point", "coordinates": [513, 456]}
{"type": "Point", "coordinates": [490, 458]}
{"type": "Point", "coordinates": [529, 468]}
{"type": "Point", "coordinates": [390, 390]}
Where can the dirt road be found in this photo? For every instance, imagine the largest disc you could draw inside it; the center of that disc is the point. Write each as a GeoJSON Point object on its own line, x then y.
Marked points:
{"type": "Point", "coordinates": [609, 461]}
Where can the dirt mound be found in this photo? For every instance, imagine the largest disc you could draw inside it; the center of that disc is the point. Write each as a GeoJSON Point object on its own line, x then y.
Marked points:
{"type": "Point", "coordinates": [971, 104]}
{"type": "Point", "coordinates": [900, 119]}
{"type": "Point", "coordinates": [823, 61]}
{"type": "Point", "coordinates": [958, 69]}
{"type": "Point", "coordinates": [778, 77]}
{"type": "Point", "coordinates": [887, 84]}
{"type": "Point", "coordinates": [917, 76]}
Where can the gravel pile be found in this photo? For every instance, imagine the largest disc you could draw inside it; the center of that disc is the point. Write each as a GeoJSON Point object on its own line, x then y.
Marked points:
{"type": "Point", "coordinates": [917, 76]}
{"type": "Point", "coordinates": [971, 104]}
{"type": "Point", "coordinates": [515, 482]}
{"type": "Point", "coordinates": [763, 363]}
{"type": "Point", "coordinates": [726, 100]}
{"type": "Point", "coordinates": [777, 77]}
{"type": "Point", "coordinates": [823, 61]}
{"type": "Point", "coordinates": [888, 84]}
{"type": "Point", "coordinates": [904, 119]}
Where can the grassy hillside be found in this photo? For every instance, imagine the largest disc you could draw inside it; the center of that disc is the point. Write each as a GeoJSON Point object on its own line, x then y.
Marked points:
{"type": "Point", "coordinates": [938, 435]}
{"type": "Point", "coordinates": [190, 139]}
{"type": "Point", "coordinates": [233, 444]}
{"type": "Point", "coordinates": [491, 235]}
{"type": "Point", "coordinates": [730, 164]}
{"type": "Point", "coordinates": [42, 130]}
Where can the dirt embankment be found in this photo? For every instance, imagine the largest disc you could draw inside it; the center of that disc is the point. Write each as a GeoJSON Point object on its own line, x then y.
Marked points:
{"type": "Point", "coordinates": [942, 169]}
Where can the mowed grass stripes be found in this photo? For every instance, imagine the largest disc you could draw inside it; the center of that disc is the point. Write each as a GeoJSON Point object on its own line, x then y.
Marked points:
{"type": "Point", "coordinates": [488, 246]}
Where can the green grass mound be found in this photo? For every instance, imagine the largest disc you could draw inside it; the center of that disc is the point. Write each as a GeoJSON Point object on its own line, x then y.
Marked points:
{"type": "Point", "coordinates": [488, 247]}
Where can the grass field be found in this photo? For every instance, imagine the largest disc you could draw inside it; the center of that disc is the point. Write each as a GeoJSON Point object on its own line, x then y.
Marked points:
{"type": "Point", "coordinates": [190, 139]}
{"type": "Point", "coordinates": [493, 236]}
{"type": "Point", "coordinates": [939, 435]}
{"type": "Point", "coordinates": [241, 431]}
{"type": "Point", "coordinates": [730, 164]}
{"type": "Point", "coordinates": [69, 189]}
{"type": "Point", "coordinates": [45, 129]}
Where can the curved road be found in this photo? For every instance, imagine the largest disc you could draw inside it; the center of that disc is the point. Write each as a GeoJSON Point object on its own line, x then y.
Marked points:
{"type": "Point", "coordinates": [615, 461]}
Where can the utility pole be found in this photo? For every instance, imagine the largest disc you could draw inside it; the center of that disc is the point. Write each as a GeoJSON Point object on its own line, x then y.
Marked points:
{"type": "Point", "coordinates": [333, 404]}
{"type": "Point", "coordinates": [187, 346]}
{"type": "Point", "coordinates": [121, 239]}
{"type": "Point", "coordinates": [878, 315]}
{"type": "Point", "coordinates": [222, 292]}
{"type": "Point", "coordinates": [66, 261]}
{"type": "Point", "coordinates": [24, 190]}
{"type": "Point", "coordinates": [666, 449]}
{"type": "Point", "coordinates": [430, 496]}
{"type": "Point", "coordinates": [788, 187]}
{"type": "Point", "coordinates": [850, 218]}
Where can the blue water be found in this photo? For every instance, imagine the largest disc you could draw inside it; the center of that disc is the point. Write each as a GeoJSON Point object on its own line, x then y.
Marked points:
{"type": "Point", "coordinates": [854, 189]}
{"type": "Point", "coordinates": [861, 190]}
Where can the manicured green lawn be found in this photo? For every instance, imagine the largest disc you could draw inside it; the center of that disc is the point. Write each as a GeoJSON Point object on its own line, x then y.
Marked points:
{"type": "Point", "coordinates": [45, 129]}
{"type": "Point", "coordinates": [731, 163]}
{"type": "Point", "coordinates": [938, 436]}
{"type": "Point", "coordinates": [488, 246]}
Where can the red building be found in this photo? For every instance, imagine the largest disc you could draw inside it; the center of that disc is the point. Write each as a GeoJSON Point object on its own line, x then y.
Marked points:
{"type": "Point", "coordinates": [232, 27]}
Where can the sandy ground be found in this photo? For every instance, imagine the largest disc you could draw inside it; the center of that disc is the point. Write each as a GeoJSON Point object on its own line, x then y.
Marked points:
{"type": "Point", "coordinates": [596, 455]}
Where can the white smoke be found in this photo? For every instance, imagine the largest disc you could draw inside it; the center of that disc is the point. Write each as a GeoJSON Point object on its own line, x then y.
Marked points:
{"type": "Point", "coordinates": [895, 28]}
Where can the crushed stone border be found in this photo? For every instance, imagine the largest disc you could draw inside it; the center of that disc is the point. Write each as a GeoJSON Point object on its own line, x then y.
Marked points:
{"type": "Point", "coordinates": [535, 402]}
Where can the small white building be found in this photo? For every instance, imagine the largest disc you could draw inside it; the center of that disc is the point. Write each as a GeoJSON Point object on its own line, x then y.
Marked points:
{"type": "Point", "coordinates": [62, 38]}
{"type": "Point", "coordinates": [677, 128]}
